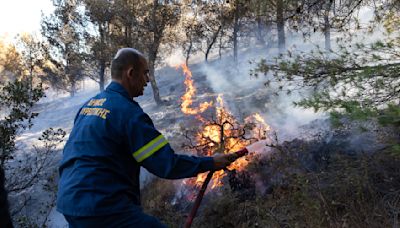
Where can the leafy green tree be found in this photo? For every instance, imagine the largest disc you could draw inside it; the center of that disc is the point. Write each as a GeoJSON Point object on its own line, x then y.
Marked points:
{"type": "Point", "coordinates": [63, 30]}
{"type": "Point", "coordinates": [282, 11]}
{"type": "Point", "coordinates": [365, 77]}
{"type": "Point", "coordinates": [323, 16]}
{"type": "Point", "coordinates": [211, 26]}
{"type": "Point", "coordinates": [34, 54]}
{"type": "Point", "coordinates": [16, 101]}
{"type": "Point", "coordinates": [158, 18]}
{"type": "Point", "coordinates": [17, 97]}
{"type": "Point", "coordinates": [100, 43]}
{"type": "Point", "coordinates": [359, 79]}
{"type": "Point", "coordinates": [145, 25]}
{"type": "Point", "coordinates": [193, 30]}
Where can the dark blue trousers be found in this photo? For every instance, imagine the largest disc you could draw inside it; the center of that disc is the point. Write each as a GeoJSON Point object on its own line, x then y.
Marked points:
{"type": "Point", "coordinates": [124, 220]}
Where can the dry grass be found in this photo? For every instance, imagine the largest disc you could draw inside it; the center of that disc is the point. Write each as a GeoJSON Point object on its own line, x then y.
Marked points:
{"type": "Point", "coordinates": [349, 191]}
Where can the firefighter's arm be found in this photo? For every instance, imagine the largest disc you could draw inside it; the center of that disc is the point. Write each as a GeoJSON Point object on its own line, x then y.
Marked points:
{"type": "Point", "coordinates": [152, 151]}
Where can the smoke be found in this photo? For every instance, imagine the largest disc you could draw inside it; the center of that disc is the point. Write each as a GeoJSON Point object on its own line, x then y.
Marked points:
{"type": "Point", "coordinates": [175, 59]}
{"type": "Point", "coordinates": [145, 177]}
{"type": "Point", "coordinates": [245, 95]}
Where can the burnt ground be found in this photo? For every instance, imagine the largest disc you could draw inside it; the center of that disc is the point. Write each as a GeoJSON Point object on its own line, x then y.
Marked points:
{"type": "Point", "coordinates": [329, 177]}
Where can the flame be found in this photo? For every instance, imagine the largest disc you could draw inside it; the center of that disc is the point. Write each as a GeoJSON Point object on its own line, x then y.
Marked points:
{"type": "Point", "coordinates": [187, 98]}
{"type": "Point", "coordinates": [223, 135]}
{"type": "Point", "coordinates": [259, 118]}
{"type": "Point", "coordinates": [260, 128]}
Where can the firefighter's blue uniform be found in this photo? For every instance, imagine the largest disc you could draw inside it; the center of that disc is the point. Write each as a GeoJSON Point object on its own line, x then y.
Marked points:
{"type": "Point", "coordinates": [99, 173]}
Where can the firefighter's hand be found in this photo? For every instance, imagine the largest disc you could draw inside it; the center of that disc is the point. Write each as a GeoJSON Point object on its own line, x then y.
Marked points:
{"type": "Point", "coordinates": [223, 160]}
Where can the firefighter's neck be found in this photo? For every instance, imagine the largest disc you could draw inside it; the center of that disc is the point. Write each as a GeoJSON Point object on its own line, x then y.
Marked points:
{"type": "Point", "coordinates": [125, 84]}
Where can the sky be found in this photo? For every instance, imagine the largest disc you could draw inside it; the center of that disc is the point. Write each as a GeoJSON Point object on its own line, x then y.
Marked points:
{"type": "Point", "coordinates": [19, 16]}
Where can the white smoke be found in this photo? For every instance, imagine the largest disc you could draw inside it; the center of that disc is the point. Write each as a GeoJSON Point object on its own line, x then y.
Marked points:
{"type": "Point", "coordinates": [175, 59]}
{"type": "Point", "coordinates": [245, 95]}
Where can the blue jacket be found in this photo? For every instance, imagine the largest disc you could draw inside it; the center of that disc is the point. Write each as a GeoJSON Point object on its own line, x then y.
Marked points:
{"type": "Point", "coordinates": [111, 139]}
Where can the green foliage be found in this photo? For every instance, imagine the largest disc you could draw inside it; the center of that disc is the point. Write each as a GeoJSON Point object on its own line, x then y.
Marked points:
{"type": "Point", "coordinates": [64, 33]}
{"type": "Point", "coordinates": [361, 80]}
{"type": "Point", "coordinates": [390, 116]}
{"type": "Point", "coordinates": [16, 101]}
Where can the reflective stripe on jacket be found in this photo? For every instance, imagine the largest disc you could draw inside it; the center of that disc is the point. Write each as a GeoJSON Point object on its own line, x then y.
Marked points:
{"type": "Point", "coordinates": [111, 138]}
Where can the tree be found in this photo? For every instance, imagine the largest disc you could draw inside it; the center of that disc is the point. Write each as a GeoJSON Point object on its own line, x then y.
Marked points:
{"type": "Point", "coordinates": [275, 12]}
{"type": "Point", "coordinates": [101, 45]}
{"type": "Point", "coordinates": [359, 79]}
{"type": "Point", "coordinates": [34, 55]}
{"type": "Point", "coordinates": [206, 25]}
{"type": "Point", "coordinates": [282, 10]}
{"type": "Point", "coordinates": [240, 9]}
{"type": "Point", "coordinates": [155, 31]}
{"type": "Point", "coordinates": [326, 15]}
{"type": "Point", "coordinates": [17, 98]}
{"type": "Point", "coordinates": [194, 30]}
{"type": "Point", "coordinates": [145, 25]}
{"type": "Point", "coordinates": [11, 65]}
{"type": "Point", "coordinates": [63, 31]}
{"type": "Point", "coordinates": [280, 24]}
{"type": "Point", "coordinates": [215, 17]}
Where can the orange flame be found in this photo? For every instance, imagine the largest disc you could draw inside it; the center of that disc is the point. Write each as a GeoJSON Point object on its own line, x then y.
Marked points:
{"type": "Point", "coordinates": [260, 128]}
{"type": "Point", "coordinates": [187, 98]}
{"type": "Point", "coordinates": [223, 135]}
{"type": "Point", "coordinates": [215, 135]}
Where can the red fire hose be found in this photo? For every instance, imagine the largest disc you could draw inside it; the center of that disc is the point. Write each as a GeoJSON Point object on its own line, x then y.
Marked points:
{"type": "Point", "coordinates": [199, 197]}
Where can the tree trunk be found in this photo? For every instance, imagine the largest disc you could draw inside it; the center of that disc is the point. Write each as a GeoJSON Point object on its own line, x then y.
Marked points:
{"type": "Point", "coordinates": [280, 21]}
{"type": "Point", "coordinates": [73, 88]}
{"type": "Point", "coordinates": [31, 69]}
{"type": "Point", "coordinates": [102, 62]}
{"type": "Point", "coordinates": [210, 45]}
{"type": "Point", "coordinates": [189, 51]}
{"type": "Point", "coordinates": [156, 92]}
{"type": "Point", "coordinates": [327, 25]}
{"type": "Point", "coordinates": [157, 33]}
{"type": "Point", "coordinates": [260, 30]}
{"type": "Point", "coordinates": [235, 33]}
{"type": "Point", "coordinates": [269, 27]}
{"type": "Point", "coordinates": [101, 75]}
{"type": "Point", "coordinates": [220, 44]}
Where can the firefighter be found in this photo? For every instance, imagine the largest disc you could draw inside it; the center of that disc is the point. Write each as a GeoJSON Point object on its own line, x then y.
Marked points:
{"type": "Point", "coordinates": [111, 139]}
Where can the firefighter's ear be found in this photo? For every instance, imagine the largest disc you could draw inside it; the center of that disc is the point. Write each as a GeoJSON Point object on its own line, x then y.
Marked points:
{"type": "Point", "coordinates": [130, 72]}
